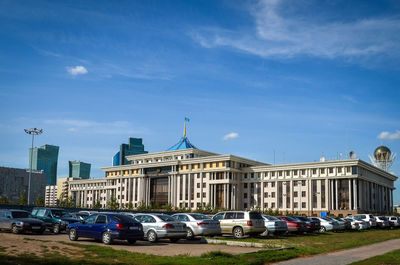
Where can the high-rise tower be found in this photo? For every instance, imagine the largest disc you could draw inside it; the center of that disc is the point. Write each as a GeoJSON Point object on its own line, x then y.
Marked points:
{"type": "Point", "coordinates": [45, 158]}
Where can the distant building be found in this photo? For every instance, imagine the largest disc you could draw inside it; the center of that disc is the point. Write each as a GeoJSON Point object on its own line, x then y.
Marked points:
{"type": "Point", "coordinates": [13, 181]}
{"type": "Point", "coordinates": [78, 169]}
{"type": "Point", "coordinates": [62, 188]}
{"type": "Point", "coordinates": [51, 195]}
{"type": "Point", "coordinates": [135, 147]}
{"type": "Point", "coordinates": [45, 158]}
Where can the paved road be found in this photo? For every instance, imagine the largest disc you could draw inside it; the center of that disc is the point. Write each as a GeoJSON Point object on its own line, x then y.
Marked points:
{"type": "Point", "coordinates": [347, 256]}
{"type": "Point", "coordinates": [162, 248]}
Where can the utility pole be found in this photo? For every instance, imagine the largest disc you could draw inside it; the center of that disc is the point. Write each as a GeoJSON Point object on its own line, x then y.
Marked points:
{"type": "Point", "coordinates": [33, 132]}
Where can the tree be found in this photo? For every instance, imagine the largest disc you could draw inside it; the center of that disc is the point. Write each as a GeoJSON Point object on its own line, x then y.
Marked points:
{"type": "Point", "coordinates": [39, 201]}
{"type": "Point", "coordinates": [3, 200]}
{"type": "Point", "coordinates": [112, 204]}
{"type": "Point", "coordinates": [22, 198]}
{"type": "Point", "coordinates": [97, 205]}
{"type": "Point", "coordinates": [130, 206]}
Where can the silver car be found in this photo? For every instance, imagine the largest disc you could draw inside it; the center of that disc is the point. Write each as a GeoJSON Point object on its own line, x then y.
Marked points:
{"type": "Point", "coordinates": [19, 221]}
{"type": "Point", "coordinates": [395, 220]}
{"type": "Point", "coordinates": [274, 225]}
{"type": "Point", "coordinates": [198, 224]}
{"type": "Point", "coordinates": [156, 226]}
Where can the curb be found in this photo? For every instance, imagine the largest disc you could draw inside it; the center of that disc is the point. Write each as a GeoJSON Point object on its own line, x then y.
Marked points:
{"type": "Point", "coordinates": [240, 244]}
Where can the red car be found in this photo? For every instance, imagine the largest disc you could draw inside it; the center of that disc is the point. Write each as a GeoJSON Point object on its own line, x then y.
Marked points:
{"type": "Point", "coordinates": [294, 225]}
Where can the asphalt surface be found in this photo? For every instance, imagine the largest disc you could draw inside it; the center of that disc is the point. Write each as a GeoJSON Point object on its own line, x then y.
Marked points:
{"type": "Point", "coordinates": [162, 248]}
{"type": "Point", "coordinates": [347, 256]}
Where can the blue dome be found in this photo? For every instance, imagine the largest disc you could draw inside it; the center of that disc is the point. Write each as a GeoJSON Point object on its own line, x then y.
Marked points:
{"type": "Point", "coordinates": [183, 143]}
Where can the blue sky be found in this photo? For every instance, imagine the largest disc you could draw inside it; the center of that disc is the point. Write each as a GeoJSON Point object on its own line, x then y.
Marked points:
{"type": "Point", "coordinates": [298, 78]}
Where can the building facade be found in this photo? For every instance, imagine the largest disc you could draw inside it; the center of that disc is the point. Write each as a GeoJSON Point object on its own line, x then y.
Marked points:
{"type": "Point", "coordinates": [13, 181]}
{"type": "Point", "coordinates": [51, 196]}
{"type": "Point", "coordinates": [192, 178]}
{"type": "Point", "coordinates": [78, 169]}
{"type": "Point", "coordinates": [45, 158]}
{"type": "Point", "coordinates": [134, 147]}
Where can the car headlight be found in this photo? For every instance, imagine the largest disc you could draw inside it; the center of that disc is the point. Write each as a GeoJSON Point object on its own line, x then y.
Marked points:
{"type": "Point", "coordinates": [19, 223]}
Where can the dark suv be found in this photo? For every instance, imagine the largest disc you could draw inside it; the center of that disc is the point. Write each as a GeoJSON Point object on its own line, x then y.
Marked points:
{"type": "Point", "coordinates": [55, 219]}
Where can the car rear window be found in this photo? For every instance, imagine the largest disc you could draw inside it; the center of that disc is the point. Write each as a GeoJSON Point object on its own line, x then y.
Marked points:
{"type": "Point", "coordinates": [200, 216]}
{"type": "Point", "coordinates": [271, 218]}
{"type": "Point", "coordinates": [166, 218]}
{"type": "Point", "coordinates": [20, 214]}
{"type": "Point", "coordinates": [255, 216]}
{"type": "Point", "coordinates": [123, 218]}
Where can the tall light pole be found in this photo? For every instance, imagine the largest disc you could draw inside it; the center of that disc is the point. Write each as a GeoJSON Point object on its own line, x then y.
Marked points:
{"type": "Point", "coordinates": [33, 132]}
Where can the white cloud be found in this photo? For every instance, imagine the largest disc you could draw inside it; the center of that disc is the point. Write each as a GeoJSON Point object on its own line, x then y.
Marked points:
{"type": "Point", "coordinates": [77, 70]}
{"type": "Point", "coordinates": [389, 136]}
{"type": "Point", "coordinates": [274, 35]}
{"type": "Point", "coordinates": [230, 136]}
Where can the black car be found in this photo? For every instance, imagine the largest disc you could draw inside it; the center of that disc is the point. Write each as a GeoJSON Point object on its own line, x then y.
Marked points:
{"type": "Point", "coordinates": [20, 221]}
{"type": "Point", "coordinates": [311, 224]}
{"type": "Point", "coordinates": [56, 219]}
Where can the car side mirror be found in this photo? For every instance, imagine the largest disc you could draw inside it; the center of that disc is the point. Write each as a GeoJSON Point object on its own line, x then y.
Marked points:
{"type": "Point", "coordinates": [82, 221]}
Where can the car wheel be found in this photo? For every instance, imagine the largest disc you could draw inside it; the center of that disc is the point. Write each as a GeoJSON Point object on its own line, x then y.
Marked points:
{"type": "Point", "coordinates": [56, 229]}
{"type": "Point", "coordinates": [14, 229]}
{"type": "Point", "coordinates": [237, 232]}
{"type": "Point", "coordinates": [174, 240]}
{"type": "Point", "coordinates": [322, 229]}
{"type": "Point", "coordinates": [106, 238]}
{"type": "Point", "coordinates": [190, 234]}
{"type": "Point", "coordinates": [72, 235]}
{"type": "Point", "coordinates": [152, 236]}
{"type": "Point", "coordinates": [131, 241]}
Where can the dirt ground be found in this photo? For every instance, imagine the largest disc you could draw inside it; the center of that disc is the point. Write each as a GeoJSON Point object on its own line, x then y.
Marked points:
{"type": "Point", "coordinates": [48, 243]}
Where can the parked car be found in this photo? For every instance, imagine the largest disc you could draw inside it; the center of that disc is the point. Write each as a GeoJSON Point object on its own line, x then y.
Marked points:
{"type": "Point", "coordinates": [198, 224]}
{"type": "Point", "coordinates": [326, 224]}
{"type": "Point", "coordinates": [87, 212]}
{"type": "Point", "coordinates": [56, 220]}
{"type": "Point", "coordinates": [361, 222]}
{"type": "Point", "coordinates": [382, 222]}
{"type": "Point", "coordinates": [352, 224]}
{"type": "Point", "coordinates": [240, 223]}
{"type": "Point", "coordinates": [368, 218]}
{"type": "Point", "coordinates": [18, 221]}
{"type": "Point", "coordinates": [341, 226]}
{"type": "Point", "coordinates": [107, 227]}
{"type": "Point", "coordinates": [274, 225]}
{"type": "Point", "coordinates": [156, 226]}
{"type": "Point", "coordinates": [311, 225]}
{"type": "Point", "coordinates": [77, 216]}
{"type": "Point", "coordinates": [294, 225]}
{"type": "Point", "coordinates": [395, 220]}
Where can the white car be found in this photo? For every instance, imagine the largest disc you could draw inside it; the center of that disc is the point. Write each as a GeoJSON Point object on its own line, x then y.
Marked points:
{"type": "Point", "coordinates": [395, 220]}
{"type": "Point", "coordinates": [365, 217]}
{"type": "Point", "coordinates": [326, 225]}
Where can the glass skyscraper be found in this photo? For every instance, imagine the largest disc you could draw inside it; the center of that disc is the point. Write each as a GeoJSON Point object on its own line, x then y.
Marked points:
{"type": "Point", "coordinates": [78, 169]}
{"type": "Point", "coordinates": [135, 147]}
{"type": "Point", "coordinates": [45, 158]}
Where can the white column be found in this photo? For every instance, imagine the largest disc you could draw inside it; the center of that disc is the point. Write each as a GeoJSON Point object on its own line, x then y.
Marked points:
{"type": "Point", "coordinates": [189, 190]}
{"type": "Point", "coordinates": [337, 195]}
{"type": "Point", "coordinates": [355, 194]}
{"type": "Point", "coordinates": [350, 195]}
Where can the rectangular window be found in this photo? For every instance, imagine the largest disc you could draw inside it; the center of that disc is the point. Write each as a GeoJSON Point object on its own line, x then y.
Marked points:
{"type": "Point", "coordinates": [295, 172]}
{"type": "Point", "coordinates": [204, 184]}
{"type": "Point", "coordinates": [265, 205]}
{"type": "Point", "coordinates": [322, 170]}
{"type": "Point", "coordinates": [266, 195]}
{"type": "Point", "coordinates": [273, 205]}
{"type": "Point", "coordinates": [314, 171]}
{"type": "Point", "coordinates": [331, 170]}
{"type": "Point", "coordinates": [295, 205]}
{"type": "Point", "coordinates": [295, 194]}
{"type": "Point", "coordinates": [287, 172]}
{"type": "Point", "coordinates": [303, 172]}
{"type": "Point", "coordinates": [198, 185]}
{"type": "Point", "coordinates": [198, 195]}
{"type": "Point", "coordinates": [303, 183]}
{"type": "Point", "coordinates": [272, 184]}
{"type": "Point", "coordinates": [273, 174]}
{"type": "Point", "coordinates": [245, 185]}
{"type": "Point", "coordinates": [245, 195]}
{"type": "Point", "coordinates": [245, 205]}
{"type": "Point", "coordinates": [273, 194]}
{"type": "Point", "coordinates": [265, 184]}
{"type": "Point", "coordinates": [339, 170]}
{"type": "Point", "coordinates": [303, 194]}
{"type": "Point", "coordinates": [280, 173]}
{"type": "Point", "coordinates": [303, 205]}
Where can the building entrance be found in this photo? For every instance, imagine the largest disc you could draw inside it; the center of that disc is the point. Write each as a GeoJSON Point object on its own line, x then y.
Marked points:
{"type": "Point", "coordinates": [159, 191]}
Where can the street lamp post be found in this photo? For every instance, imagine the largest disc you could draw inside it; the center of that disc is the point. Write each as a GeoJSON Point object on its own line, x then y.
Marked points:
{"type": "Point", "coordinates": [33, 132]}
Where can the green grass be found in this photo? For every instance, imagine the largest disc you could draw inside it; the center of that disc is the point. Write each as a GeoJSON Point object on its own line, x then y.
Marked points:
{"type": "Point", "coordinates": [392, 257]}
{"type": "Point", "coordinates": [326, 242]}
{"type": "Point", "coordinates": [304, 245]}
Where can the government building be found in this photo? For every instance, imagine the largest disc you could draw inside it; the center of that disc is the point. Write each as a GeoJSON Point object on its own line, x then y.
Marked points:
{"type": "Point", "coordinates": [187, 177]}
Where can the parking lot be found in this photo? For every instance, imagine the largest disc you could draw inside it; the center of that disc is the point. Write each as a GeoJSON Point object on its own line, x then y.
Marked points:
{"type": "Point", "coordinates": [33, 244]}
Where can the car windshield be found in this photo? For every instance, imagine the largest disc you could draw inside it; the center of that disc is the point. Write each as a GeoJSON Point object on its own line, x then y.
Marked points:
{"type": "Point", "coordinates": [200, 216]}
{"type": "Point", "coordinates": [166, 218]}
{"type": "Point", "coordinates": [20, 214]}
{"type": "Point", "coordinates": [326, 219]}
{"type": "Point", "coordinates": [58, 213]}
{"type": "Point", "coordinates": [254, 215]}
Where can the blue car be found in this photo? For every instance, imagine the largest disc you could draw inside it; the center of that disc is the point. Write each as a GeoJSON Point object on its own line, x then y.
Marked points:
{"type": "Point", "coordinates": [107, 227]}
